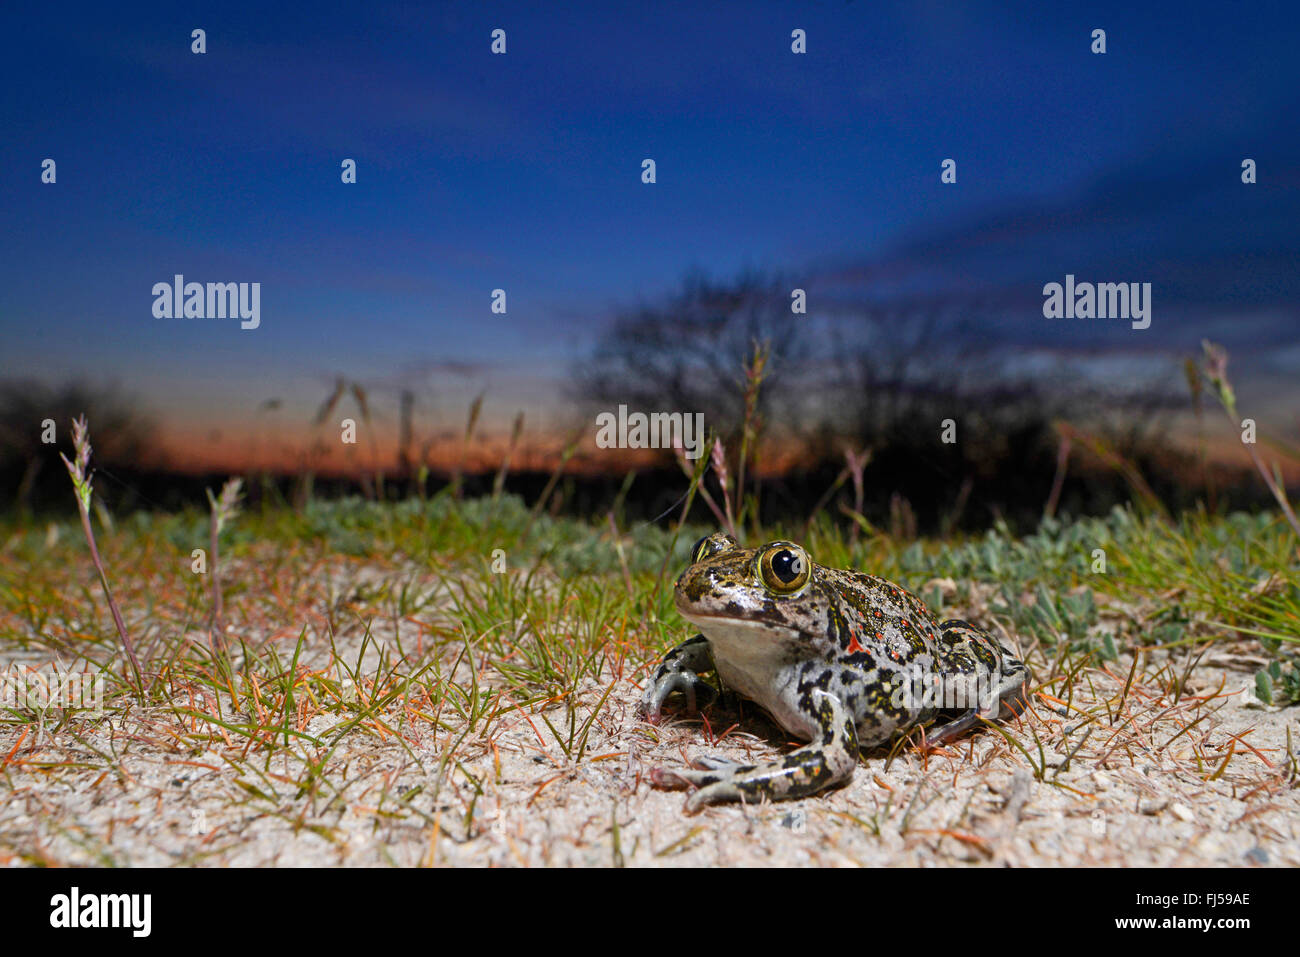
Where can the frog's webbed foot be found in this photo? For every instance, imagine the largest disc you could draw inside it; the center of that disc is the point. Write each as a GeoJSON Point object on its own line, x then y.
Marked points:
{"type": "Point", "coordinates": [679, 672]}
{"type": "Point", "coordinates": [937, 735]}
{"type": "Point", "coordinates": [704, 770]}
{"type": "Point", "coordinates": [827, 761]}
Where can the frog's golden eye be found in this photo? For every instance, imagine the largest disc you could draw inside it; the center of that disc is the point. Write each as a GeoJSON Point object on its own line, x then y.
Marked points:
{"type": "Point", "coordinates": [785, 567]}
{"type": "Point", "coordinates": [711, 545]}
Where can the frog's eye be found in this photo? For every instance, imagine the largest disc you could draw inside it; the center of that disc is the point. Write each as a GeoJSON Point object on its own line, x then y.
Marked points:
{"type": "Point", "coordinates": [711, 545]}
{"type": "Point", "coordinates": [784, 567]}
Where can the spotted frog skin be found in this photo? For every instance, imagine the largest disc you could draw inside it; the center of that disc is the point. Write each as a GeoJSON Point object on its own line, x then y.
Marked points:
{"type": "Point", "coordinates": [841, 659]}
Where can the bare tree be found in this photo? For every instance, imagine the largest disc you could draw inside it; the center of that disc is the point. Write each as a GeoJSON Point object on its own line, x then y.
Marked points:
{"type": "Point", "coordinates": [688, 354]}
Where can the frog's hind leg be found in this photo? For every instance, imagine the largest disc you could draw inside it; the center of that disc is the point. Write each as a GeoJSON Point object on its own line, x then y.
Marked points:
{"type": "Point", "coordinates": [981, 676]}
{"type": "Point", "coordinates": [827, 761]}
{"type": "Point", "coordinates": [679, 672]}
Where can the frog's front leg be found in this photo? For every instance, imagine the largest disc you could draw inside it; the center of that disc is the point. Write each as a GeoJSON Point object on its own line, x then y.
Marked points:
{"type": "Point", "coordinates": [680, 672]}
{"type": "Point", "coordinates": [827, 761]}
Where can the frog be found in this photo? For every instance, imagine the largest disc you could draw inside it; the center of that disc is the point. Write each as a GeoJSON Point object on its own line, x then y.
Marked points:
{"type": "Point", "coordinates": [843, 660]}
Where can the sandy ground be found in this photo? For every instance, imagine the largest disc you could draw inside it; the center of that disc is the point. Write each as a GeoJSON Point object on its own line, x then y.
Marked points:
{"type": "Point", "coordinates": [1121, 779]}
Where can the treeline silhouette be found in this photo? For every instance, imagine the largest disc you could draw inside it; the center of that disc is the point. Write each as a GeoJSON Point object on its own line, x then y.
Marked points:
{"type": "Point", "coordinates": [956, 430]}
{"type": "Point", "coordinates": [929, 501]}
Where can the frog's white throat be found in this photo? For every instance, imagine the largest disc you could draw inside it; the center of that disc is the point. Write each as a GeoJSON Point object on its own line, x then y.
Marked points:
{"type": "Point", "coordinates": [754, 658]}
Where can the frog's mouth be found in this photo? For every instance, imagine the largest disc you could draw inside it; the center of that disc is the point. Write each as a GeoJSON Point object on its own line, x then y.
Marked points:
{"type": "Point", "coordinates": [735, 629]}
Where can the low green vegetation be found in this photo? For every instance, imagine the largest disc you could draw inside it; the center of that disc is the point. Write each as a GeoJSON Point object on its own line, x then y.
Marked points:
{"type": "Point", "coordinates": [542, 602]}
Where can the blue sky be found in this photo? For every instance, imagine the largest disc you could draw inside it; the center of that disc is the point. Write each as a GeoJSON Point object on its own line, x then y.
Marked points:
{"type": "Point", "coordinates": [523, 172]}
